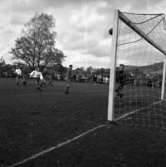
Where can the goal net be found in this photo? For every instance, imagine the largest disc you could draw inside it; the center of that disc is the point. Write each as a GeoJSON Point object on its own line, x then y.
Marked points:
{"type": "Point", "coordinates": [137, 75]}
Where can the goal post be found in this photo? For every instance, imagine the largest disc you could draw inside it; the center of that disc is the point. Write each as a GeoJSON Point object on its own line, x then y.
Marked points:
{"type": "Point", "coordinates": [113, 67]}
{"type": "Point", "coordinates": [139, 44]}
{"type": "Point", "coordinates": [163, 80]}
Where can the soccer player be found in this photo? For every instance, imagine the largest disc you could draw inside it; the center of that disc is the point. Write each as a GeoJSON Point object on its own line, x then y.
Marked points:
{"type": "Point", "coordinates": [120, 80]}
{"type": "Point", "coordinates": [24, 76]}
{"type": "Point", "coordinates": [39, 77]}
{"type": "Point", "coordinates": [68, 79]}
{"type": "Point", "coordinates": [50, 78]}
{"type": "Point", "coordinates": [18, 73]}
{"type": "Point", "coordinates": [24, 81]}
{"type": "Point", "coordinates": [47, 73]}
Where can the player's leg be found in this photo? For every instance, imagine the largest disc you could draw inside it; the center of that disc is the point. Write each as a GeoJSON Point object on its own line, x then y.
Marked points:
{"type": "Point", "coordinates": [18, 80]}
{"type": "Point", "coordinates": [51, 81]}
{"type": "Point", "coordinates": [17, 83]}
{"type": "Point", "coordinates": [24, 81]}
{"type": "Point", "coordinates": [44, 83]}
{"type": "Point", "coordinates": [38, 83]}
{"type": "Point", "coordinates": [121, 86]}
{"type": "Point", "coordinates": [117, 85]}
{"type": "Point", "coordinates": [67, 91]}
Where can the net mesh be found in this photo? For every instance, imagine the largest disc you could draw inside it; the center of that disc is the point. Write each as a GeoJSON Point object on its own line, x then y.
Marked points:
{"type": "Point", "coordinates": [139, 82]}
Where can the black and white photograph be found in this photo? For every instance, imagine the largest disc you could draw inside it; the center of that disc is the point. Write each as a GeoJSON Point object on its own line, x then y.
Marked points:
{"type": "Point", "coordinates": [82, 83]}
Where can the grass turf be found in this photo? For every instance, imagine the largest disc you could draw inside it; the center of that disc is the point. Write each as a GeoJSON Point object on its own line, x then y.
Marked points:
{"type": "Point", "coordinates": [114, 146]}
{"type": "Point", "coordinates": [32, 121]}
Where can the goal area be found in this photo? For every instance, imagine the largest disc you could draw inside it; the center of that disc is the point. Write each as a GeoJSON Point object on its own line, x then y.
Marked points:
{"type": "Point", "coordinates": [137, 71]}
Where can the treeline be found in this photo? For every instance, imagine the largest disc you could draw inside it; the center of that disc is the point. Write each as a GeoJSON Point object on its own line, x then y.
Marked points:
{"type": "Point", "coordinates": [58, 72]}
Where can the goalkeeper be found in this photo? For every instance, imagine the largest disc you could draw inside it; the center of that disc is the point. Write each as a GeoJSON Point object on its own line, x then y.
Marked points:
{"type": "Point", "coordinates": [120, 80]}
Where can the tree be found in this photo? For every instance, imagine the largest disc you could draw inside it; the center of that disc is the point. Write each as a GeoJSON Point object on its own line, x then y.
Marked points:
{"type": "Point", "coordinates": [89, 70]}
{"type": "Point", "coordinates": [59, 68]}
{"type": "Point", "coordinates": [37, 44]}
{"type": "Point", "coordinates": [2, 61]}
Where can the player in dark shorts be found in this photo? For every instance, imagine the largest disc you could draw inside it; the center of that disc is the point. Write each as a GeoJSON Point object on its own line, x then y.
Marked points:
{"type": "Point", "coordinates": [45, 75]}
{"type": "Point", "coordinates": [24, 76]}
{"type": "Point", "coordinates": [48, 76]}
{"type": "Point", "coordinates": [68, 79]}
{"type": "Point", "coordinates": [120, 80]}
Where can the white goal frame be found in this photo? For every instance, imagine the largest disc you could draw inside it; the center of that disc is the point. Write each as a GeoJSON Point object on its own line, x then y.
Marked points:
{"type": "Point", "coordinates": [119, 15]}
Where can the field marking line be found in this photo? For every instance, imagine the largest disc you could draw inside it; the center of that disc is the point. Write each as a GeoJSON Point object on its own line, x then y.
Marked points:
{"type": "Point", "coordinates": [137, 110]}
{"type": "Point", "coordinates": [34, 156]}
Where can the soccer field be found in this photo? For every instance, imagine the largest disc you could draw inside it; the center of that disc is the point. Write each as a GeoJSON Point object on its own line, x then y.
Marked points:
{"type": "Point", "coordinates": [33, 121]}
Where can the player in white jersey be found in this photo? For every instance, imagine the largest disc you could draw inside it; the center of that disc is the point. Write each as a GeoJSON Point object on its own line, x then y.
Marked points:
{"type": "Point", "coordinates": [39, 77]}
{"type": "Point", "coordinates": [18, 73]}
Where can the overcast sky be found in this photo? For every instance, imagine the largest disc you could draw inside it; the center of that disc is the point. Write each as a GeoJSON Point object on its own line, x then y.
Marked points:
{"type": "Point", "coordinates": [81, 25]}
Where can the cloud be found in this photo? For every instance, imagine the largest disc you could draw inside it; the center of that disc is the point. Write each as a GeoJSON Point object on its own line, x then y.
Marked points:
{"type": "Point", "coordinates": [81, 25]}
{"type": "Point", "coordinates": [86, 32]}
{"type": "Point", "coordinates": [85, 60]}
